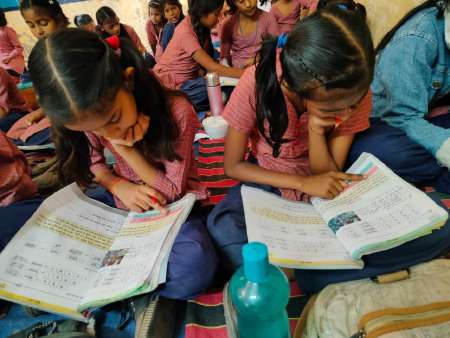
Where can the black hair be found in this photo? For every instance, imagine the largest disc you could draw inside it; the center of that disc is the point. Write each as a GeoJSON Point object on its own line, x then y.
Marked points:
{"type": "Point", "coordinates": [157, 5]}
{"type": "Point", "coordinates": [172, 3]}
{"type": "Point", "coordinates": [106, 15]}
{"type": "Point", "coordinates": [3, 21]}
{"type": "Point", "coordinates": [197, 9]}
{"type": "Point", "coordinates": [50, 8]}
{"type": "Point", "coordinates": [442, 5]}
{"type": "Point", "coordinates": [349, 5]}
{"type": "Point", "coordinates": [332, 49]}
{"type": "Point", "coordinates": [233, 7]}
{"type": "Point", "coordinates": [75, 73]}
{"type": "Point", "coordinates": [82, 20]}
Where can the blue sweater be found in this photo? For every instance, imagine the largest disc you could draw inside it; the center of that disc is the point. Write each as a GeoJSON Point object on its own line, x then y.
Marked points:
{"type": "Point", "coordinates": [412, 70]}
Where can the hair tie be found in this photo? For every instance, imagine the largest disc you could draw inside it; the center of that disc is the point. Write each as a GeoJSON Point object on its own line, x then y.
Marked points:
{"type": "Point", "coordinates": [282, 40]}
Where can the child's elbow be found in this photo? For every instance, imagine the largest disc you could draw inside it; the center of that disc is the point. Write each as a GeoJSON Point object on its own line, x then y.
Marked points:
{"type": "Point", "coordinates": [230, 170]}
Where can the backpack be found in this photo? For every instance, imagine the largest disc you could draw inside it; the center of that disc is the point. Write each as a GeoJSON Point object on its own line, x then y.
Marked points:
{"type": "Point", "coordinates": [415, 307]}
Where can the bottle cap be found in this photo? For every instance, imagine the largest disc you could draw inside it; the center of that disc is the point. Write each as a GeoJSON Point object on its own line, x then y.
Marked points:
{"type": "Point", "coordinates": [213, 79]}
{"type": "Point", "coordinates": [256, 261]}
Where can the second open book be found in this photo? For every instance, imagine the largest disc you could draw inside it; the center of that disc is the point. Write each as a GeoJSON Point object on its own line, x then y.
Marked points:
{"type": "Point", "coordinates": [377, 214]}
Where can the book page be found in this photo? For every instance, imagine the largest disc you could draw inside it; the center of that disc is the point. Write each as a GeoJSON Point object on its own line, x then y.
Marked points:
{"type": "Point", "coordinates": [54, 258]}
{"type": "Point", "coordinates": [380, 212]}
{"type": "Point", "coordinates": [296, 235]}
{"type": "Point", "coordinates": [134, 253]}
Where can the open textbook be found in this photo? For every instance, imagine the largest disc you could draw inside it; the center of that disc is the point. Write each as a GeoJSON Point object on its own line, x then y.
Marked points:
{"type": "Point", "coordinates": [76, 253]}
{"type": "Point", "coordinates": [376, 214]}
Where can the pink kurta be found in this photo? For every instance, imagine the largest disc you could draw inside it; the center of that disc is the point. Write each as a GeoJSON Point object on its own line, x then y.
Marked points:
{"type": "Point", "coordinates": [178, 177]}
{"type": "Point", "coordinates": [241, 49]}
{"type": "Point", "coordinates": [10, 47]}
{"type": "Point", "coordinates": [134, 37]}
{"type": "Point", "coordinates": [10, 97]}
{"type": "Point", "coordinates": [240, 113]}
{"type": "Point", "coordinates": [287, 22]}
{"type": "Point", "coordinates": [152, 33]}
{"type": "Point", "coordinates": [176, 65]}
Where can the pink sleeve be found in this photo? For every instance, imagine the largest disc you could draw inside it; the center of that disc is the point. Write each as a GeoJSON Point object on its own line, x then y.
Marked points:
{"type": "Point", "coordinates": [189, 41]}
{"type": "Point", "coordinates": [151, 33]}
{"type": "Point", "coordinates": [240, 111]}
{"type": "Point", "coordinates": [4, 93]}
{"type": "Point", "coordinates": [18, 49]}
{"type": "Point", "coordinates": [226, 35]}
{"type": "Point", "coordinates": [98, 161]}
{"type": "Point", "coordinates": [272, 26]}
{"type": "Point", "coordinates": [134, 37]}
{"type": "Point", "coordinates": [172, 183]}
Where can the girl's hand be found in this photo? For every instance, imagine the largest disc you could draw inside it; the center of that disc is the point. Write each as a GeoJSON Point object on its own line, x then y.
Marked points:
{"type": "Point", "coordinates": [327, 185]}
{"type": "Point", "coordinates": [139, 198]}
{"type": "Point", "coordinates": [6, 60]}
{"type": "Point", "coordinates": [321, 125]}
{"type": "Point", "coordinates": [135, 133]}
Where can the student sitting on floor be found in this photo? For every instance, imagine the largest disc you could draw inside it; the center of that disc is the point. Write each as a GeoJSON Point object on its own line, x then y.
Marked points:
{"type": "Point", "coordinates": [243, 31]}
{"type": "Point", "coordinates": [100, 100]}
{"type": "Point", "coordinates": [43, 18]}
{"type": "Point", "coordinates": [172, 11]}
{"type": "Point", "coordinates": [190, 52]}
{"type": "Point", "coordinates": [308, 107]}
{"type": "Point", "coordinates": [412, 78]}
{"type": "Point", "coordinates": [311, 100]}
{"type": "Point", "coordinates": [12, 104]}
{"type": "Point", "coordinates": [108, 24]}
{"type": "Point", "coordinates": [11, 51]}
{"type": "Point", "coordinates": [155, 24]}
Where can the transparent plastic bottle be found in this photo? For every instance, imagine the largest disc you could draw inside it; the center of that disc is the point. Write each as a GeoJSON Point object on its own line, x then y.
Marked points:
{"type": "Point", "coordinates": [260, 293]}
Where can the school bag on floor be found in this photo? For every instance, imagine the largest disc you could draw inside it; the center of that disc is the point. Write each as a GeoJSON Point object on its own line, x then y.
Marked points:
{"type": "Point", "coordinates": [416, 307]}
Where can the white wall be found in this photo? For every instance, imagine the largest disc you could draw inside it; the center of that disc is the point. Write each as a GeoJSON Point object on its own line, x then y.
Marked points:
{"type": "Point", "coordinates": [132, 12]}
{"type": "Point", "coordinates": [382, 15]}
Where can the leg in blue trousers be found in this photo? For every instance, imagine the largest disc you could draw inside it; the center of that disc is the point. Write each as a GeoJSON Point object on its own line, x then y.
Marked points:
{"type": "Point", "coordinates": [406, 158]}
{"type": "Point", "coordinates": [226, 224]}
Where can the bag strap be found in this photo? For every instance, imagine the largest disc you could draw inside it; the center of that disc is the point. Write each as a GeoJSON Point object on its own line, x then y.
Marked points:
{"type": "Point", "coordinates": [406, 325]}
{"type": "Point", "coordinates": [392, 277]}
{"type": "Point", "coordinates": [413, 324]}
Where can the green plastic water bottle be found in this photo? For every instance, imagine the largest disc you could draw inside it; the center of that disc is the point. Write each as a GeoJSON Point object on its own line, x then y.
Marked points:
{"type": "Point", "coordinates": [260, 293]}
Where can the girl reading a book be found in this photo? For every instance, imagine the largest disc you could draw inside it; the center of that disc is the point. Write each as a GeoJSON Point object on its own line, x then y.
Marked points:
{"type": "Point", "coordinates": [102, 97]}
{"type": "Point", "coordinates": [410, 129]}
{"type": "Point", "coordinates": [312, 97]}
{"type": "Point", "coordinates": [190, 53]}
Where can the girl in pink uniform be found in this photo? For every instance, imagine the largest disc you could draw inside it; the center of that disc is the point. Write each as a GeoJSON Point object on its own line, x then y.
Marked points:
{"type": "Point", "coordinates": [155, 24]}
{"type": "Point", "coordinates": [102, 99]}
{"type": "Point", "coordinates": [189, 54]}
{"type": "Point", "coordinates": [11, 51]}
{"type": "Point", "coordinates": [243, 32]}
{"type": "Point", "coordinates": [299, 108]}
